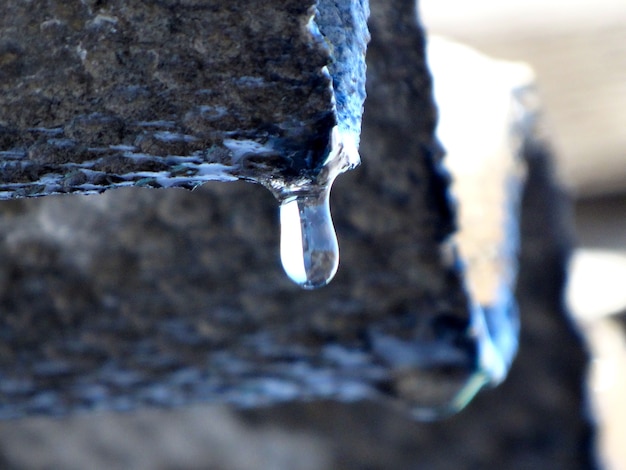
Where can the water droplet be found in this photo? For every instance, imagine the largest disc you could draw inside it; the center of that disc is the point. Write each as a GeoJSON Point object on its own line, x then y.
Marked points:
{"type": "Point", "coordinates": [308, 243]}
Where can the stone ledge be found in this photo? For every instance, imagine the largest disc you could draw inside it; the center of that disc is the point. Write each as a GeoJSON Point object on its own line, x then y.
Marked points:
{"type": "Point", "coordinates": [174, 94]}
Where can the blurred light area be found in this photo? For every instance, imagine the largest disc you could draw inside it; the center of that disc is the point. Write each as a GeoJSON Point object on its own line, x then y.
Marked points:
{"type": "Point", "coordinates": [578, 51]}
{"type": "Point", "coordinates": [597, 274]}
{"type": "Point", "coordinates": [596, 283]}
{"type": "Point", "coordinates": [481, 106]}
{"type": "Point", "coordinates": [477, 112]}
{"type": "Point", "coordinates": [484, 17]}
{"type": "Point", "coordinates": [473, 93]}
{"type": "Point", "coordinates": [607, 382]}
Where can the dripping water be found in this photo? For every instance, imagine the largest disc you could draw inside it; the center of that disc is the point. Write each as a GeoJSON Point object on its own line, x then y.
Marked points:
{"type": "Point", "coordinates": [309, 250]}
{"type": "Point", "coordinates": [308, 244]}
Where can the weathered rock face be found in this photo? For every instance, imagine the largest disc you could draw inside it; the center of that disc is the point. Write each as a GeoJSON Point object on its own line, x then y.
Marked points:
{"type": "Point", "coordinates": [533, 420]}
{"type": "Point", "coordinates": [140, 297]}
{"type": "Point", "coordinates": [103, 94]}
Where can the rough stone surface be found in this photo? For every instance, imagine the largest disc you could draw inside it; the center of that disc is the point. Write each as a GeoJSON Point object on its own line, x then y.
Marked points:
{"type": "Point", "coordinates": [140, 297]}
{"type": "Point", "coordinates": [533, 420]}
{"type": "Point", "coordinates": [97, 94]}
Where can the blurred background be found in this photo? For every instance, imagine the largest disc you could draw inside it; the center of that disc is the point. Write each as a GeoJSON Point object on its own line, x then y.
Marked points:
{"type": "Point", "coordinates": [577, 49]}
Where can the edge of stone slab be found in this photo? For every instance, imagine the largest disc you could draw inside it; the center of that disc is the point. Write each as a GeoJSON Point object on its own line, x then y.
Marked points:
{"type": "Point", "coordinates": [53, 159]}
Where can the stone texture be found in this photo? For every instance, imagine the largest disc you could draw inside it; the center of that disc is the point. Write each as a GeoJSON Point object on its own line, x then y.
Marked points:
{"type": "Point", "coordinates": [97, 94]}
{"type": "Point", "coordinates": [140, 297]}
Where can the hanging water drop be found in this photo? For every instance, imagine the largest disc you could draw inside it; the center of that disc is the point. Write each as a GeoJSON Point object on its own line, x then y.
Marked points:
{"type": "Point", "coordinates": [308, 244]}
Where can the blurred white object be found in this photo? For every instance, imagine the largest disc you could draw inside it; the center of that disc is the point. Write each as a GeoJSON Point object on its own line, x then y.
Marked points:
{"type": "Point", "coordinates": [516, 17]}
{"type": "Point", "coordinates": [607, 383]}
{"type": "Point", "coordinates": [597, 283]}
{"type": "Point", "coordinates": [478, 114]}
{"type": "Point", "coordinates": [199, 436]}
{"type": "Point", "coordinates": [578, 50]}
{"type": "Point", "coordinates": [486, 109]}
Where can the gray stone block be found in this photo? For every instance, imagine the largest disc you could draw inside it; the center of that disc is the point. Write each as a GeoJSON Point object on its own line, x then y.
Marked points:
{"type": "Point", "coordinates": [96, 95]}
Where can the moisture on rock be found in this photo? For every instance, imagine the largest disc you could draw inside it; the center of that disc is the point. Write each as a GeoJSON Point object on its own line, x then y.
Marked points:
{"type": "Point", "coordinates": [162, 86]}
